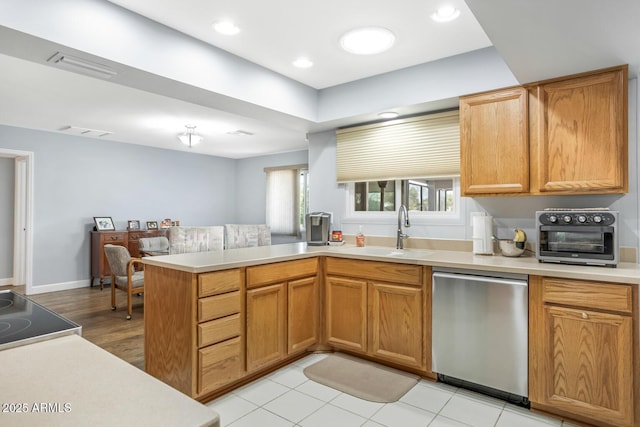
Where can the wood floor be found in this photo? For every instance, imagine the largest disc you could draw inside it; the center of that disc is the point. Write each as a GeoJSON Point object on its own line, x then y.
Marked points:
{"type": "Point", "coordinates": [91, 308]}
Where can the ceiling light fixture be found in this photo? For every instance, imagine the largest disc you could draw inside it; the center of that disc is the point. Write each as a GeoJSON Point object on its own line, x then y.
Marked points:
{"type": "Point", "coordinates": [302, 62]}
{"type": "Point", "coordinates": [445, 14]}
{"type": "Point", "coordinates": [190, 138]}
{"type": "Point", "coordinates": [367, 40]}
{"type": "Point", "coordinates": [388, 114]}
{"type": "Point", "coordinates": [228, 28]}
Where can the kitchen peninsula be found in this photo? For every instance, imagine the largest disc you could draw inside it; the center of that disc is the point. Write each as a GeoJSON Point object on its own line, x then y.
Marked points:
{"type": "Point", "coordinates": [216, 320]}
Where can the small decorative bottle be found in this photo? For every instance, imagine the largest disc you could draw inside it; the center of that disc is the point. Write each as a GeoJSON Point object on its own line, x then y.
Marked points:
{"type": "Point", "coordinates": [360, 238]}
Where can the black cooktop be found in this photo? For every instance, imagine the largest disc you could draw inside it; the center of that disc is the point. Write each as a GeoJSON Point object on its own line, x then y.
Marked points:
{"type": "Point", "coordinates": [23, 321]}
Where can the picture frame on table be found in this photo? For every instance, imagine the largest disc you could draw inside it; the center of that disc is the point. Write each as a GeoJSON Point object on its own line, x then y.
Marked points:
{"type": "Point", "coordinates": [152, 225]}
{"type": "Point", "coordinates": [104, 223]}
{"type": "Point", "coordinates": [133, 224]}
{"type": "Point", "coordinates": [166, 223]}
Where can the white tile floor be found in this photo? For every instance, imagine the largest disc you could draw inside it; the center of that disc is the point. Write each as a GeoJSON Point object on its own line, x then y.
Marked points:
{"type": "Point", "coordinates": [288, 398]}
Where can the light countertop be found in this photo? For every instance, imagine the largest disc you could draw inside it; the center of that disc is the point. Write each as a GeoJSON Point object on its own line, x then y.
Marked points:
{"type": "Point", "coordinates": [70, 381]}
{"type": "Point", "coordinates": [202, 262]}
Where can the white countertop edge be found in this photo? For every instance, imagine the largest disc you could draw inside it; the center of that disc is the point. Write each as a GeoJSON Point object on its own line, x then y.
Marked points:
{"type": "Point", "coordinates": [202, 262]}
{"type": "Point", "coordinates": [70, 381]}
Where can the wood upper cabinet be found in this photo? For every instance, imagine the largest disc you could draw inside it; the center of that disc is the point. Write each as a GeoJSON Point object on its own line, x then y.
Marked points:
{"type": "Point", "coordinates": [396, 323]}
{"type": "Point", "coordinates": [266, 320]}
{"type": "Point", "coordinates": [494, 142]}
{"type": "Point", "coordinates": [346, 313]}
{"type": "Point", "coordinates": [560, 136]}
{"type": "Point", "coordinates": [582, 350]}
{"type": "Point", "coordinates": [580, 135]}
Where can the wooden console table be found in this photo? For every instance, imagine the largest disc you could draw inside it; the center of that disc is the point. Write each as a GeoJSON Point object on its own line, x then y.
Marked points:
{"type": "Point", "coordinates": [128, 239]}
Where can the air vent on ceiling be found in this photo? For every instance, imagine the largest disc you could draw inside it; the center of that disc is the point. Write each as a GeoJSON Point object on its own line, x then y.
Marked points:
{"type": "Point", "coordinates": [241, 132]}
{"type": "Point", "coordinates": [81, 65]}
{"type": "Point", "coordinates": [94, 133]}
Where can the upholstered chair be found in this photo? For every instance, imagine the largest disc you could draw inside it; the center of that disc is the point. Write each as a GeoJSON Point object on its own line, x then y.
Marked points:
{"type": "Point", "coordinates": [246, 235]}
{"type": "Point", "coordinates": [123, 275]}
{"type": "Point", "coordinates": [152, 246]}
{"type": "Point", "coordinates": [183, 239]}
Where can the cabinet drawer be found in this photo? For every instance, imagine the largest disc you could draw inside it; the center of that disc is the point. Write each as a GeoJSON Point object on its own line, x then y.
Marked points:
{"type": "Point", "coordinates": [219, 282]}
{"type": "Point", "coordinates": [374, 270]}
{"type": "Point", "coordinates": [218, 306]}
{"type": "Point", "coordinates": [281, 271]}
{"type": "Point", "coordinates": [114, 238]}
{"type": "Point", "coordinates": [588, 294]}
{"type": "Point", "coordinates": [219, 364]}
{"type": "Point", "coordinates": [218, 330]}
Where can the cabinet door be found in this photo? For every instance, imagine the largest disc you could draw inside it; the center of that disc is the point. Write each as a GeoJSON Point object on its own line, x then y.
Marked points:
{"type": "Point", "coordinates": [494, 143]}
{"type": "Point", "coordinates": [396, 323]}
{"type": "Point", "coordinates": [266, 321]}
{"type": "Point", "coordinates": [346, 313]}
{"type": "Point", "coordinates": [581, 134]}
{"type": "Point", "coordinates": [586, 364]}
{"type": "Point", "coordinates": [302, 320]}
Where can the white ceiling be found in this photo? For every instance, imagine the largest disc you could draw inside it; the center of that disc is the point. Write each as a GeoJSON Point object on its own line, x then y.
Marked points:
{"type": "Point", "coordinates": [536, 40]}
{"type": "Point", "coordinates": [274, 33]}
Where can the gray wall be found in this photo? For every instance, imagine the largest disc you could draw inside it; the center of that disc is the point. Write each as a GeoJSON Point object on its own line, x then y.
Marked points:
{"type": "Point", "coordinates": [77, 178]}
{"type": "Point", "coordinates": [508, 212]}
{"type": "Point", "coordinates": [251, 197]}
{"type": "Point", "coordinates": [7, 180]}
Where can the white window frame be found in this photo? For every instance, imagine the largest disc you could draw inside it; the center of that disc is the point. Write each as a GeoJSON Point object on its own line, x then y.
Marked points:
{"type": "Point", "coordinates": [295, 169]}
{"type": "Point", "coordinates": [417, 217]}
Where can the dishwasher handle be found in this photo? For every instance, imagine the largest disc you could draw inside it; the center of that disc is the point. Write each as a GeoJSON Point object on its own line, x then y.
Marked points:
{"type": "Point", "coordinates": [483, 279]}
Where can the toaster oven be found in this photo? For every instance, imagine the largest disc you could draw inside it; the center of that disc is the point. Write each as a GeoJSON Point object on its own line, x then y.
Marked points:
{"type": "Point", "coordinates": [577, 236]}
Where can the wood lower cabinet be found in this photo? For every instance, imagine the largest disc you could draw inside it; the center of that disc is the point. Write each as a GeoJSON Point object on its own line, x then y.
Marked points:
{"type": "Point", "coordinates": [396, 323]}
{"type": "Point", "coordinates": [383, 313]}
{"type": "Point", "coordinates": [346, 313]}
{"type": "Point", "coordinates": [282, 311]}
{"type": "Point", "coordinates": [266, 321]}
{"type": "Point", "coordinates": [220, 329]}
{"type": "Point", "coordinates": [582, 350]}
{"type": "Point", "coordinates": [194, 328]}
{"type": "Point", "coordinates": [302, 314]}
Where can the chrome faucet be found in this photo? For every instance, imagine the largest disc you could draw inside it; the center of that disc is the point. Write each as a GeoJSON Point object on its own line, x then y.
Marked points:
{"type": "Point", "coordinates": [401, 236]}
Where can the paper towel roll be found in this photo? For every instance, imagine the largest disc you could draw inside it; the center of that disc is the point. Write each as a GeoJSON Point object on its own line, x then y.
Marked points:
{"type": "Point", "coordinates": [482, 234]}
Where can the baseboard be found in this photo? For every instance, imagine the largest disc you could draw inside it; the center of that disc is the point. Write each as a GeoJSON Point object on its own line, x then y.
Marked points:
{"type": "Point", "coordinates": [7, 281]}
{"type": "Point", "coordinates": [55, 287]}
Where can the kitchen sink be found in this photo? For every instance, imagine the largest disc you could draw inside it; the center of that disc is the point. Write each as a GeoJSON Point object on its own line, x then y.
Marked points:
{"type": "Point", "coordinates": [390, 252]}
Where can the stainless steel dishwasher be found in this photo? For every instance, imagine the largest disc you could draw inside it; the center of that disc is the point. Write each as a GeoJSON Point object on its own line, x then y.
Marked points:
{"type": "Point", "coordinates": [480, 332]}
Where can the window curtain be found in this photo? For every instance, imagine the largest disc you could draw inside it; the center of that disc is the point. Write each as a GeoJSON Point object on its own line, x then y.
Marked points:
{"type": "Point", "coordinates": [282, 196]}
{"type": "Point", "coordinates": [425, 146]}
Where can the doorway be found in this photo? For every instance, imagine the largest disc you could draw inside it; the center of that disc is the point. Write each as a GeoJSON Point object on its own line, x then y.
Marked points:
{"type": "Point", "coordinates": [23, 217]}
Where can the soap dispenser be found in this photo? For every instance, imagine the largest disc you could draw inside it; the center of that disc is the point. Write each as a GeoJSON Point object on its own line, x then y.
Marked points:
{"type": "Point", "coordinates": [360, 238]}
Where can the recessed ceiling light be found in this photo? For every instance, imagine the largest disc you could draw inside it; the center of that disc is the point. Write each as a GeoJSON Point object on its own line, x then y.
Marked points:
{"type": "Point", "coordinates": [388, 114]}
{"type": "Point", "coordinates": [302, 62]}
{"type": "Point", "coordinates": [228, 28]}
{"type": "Point", "coordinates": [445, 14]}
{"type": "Point", "coordinates": [367, 40]}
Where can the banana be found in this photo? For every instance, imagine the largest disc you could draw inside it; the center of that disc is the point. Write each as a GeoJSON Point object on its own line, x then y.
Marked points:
{"type": "Point", "coordinates": [520, 237]}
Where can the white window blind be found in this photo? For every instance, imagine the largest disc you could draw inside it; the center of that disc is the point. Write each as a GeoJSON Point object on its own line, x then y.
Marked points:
{"type": "Point", "coordinates": [426, 146]}
{"type": "Point", "coordinates": [281, 201]}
